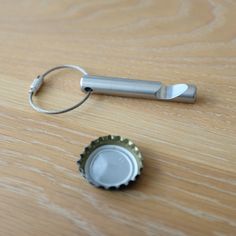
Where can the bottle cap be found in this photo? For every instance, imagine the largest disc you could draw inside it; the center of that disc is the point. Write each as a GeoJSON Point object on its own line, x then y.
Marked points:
{"type": "Point", "coordinates": [111, 162]}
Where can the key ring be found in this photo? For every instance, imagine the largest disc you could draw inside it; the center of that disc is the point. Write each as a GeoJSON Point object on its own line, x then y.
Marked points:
{"type": "Point", "coordinates": [38, 82]}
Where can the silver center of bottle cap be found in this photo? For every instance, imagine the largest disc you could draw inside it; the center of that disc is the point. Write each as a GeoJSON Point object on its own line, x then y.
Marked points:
{"type": "Point", "coordinates": [111, 165]}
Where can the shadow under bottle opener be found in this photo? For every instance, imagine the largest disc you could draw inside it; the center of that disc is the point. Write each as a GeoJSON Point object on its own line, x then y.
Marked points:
{"type": "Point", "coordinates": [114, 161]}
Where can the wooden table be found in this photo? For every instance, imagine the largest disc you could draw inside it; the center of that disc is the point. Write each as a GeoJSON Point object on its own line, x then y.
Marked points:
{"type": "Point", "coordinates": [188, 184]}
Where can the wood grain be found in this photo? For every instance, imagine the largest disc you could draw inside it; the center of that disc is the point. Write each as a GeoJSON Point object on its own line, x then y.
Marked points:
{"type": "Point", "coordinates": [188, 185]}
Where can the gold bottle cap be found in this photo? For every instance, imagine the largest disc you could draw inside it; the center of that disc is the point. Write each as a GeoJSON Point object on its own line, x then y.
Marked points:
{"type": "Point", "coordinates": [111, 162]}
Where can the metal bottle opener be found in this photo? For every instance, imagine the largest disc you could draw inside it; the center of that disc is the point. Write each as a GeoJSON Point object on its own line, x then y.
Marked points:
{"type": "Point", "coordinates": [89, 84]}
{"type": "Point", "coordinates": [139, 88]}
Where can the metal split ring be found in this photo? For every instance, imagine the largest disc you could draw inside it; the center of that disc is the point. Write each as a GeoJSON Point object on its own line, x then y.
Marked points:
{"type": "Point", "coordinates": [38, 82]}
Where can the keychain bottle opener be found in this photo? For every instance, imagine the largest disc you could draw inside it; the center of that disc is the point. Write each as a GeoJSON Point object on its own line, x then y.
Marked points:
{"type": "Point", "coordinates": [89, 84]}
{"type": "Point", "coordinates": [114, 161]}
